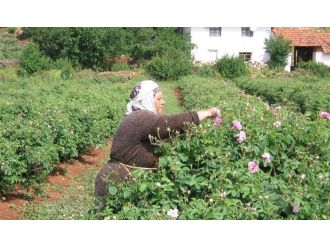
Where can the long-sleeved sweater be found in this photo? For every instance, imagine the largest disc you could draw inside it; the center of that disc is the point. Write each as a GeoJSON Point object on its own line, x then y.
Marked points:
{"type": "Point", "coordinates": [131, 144]}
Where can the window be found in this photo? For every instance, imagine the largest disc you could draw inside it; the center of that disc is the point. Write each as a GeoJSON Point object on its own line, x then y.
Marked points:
{"type": "Point", "coordinates": [246, 32]}
{"type": "Point", "coordinates": [215, 31]}
{"type": "Point", "coordinates": [246, 55]}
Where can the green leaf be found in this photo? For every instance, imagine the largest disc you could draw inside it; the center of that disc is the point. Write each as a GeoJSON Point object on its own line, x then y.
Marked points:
{"type": "Point", "coordinates": [127, 194]}
{"type": "Point", "coordinates": [113, 190]}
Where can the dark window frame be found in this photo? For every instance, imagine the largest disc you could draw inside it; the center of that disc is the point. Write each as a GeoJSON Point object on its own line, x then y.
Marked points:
{"type": "Point", "coordinates": [246, 56]}
{"type": "Point", "coordinates": [215, 31]}
{"type": "Point", "coordinates": [246, 32]}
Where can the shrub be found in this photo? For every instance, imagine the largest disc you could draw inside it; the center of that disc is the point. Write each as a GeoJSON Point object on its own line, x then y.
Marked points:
{"type": "Point", "coordinates": [66, 67]}
{"type": "Point", "coordinates": [11, 30]}
{"type": "Point", "coordinates": [119, 66]}
{"type": "Point", "coordinates": [279, 49]}
{"type": "Point", "coordinates": [169, 66]}
{"type": "Point", "coordinates": [32, 60]}
{"type": "Point", "coordinates": [231, 67]}
{"type": "Point", "coordinates": [206, 70]}
{"type": "Point", "coordinates": [318, 69]}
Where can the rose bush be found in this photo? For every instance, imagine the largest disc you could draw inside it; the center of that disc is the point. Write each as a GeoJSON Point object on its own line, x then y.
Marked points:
{"type": "Point", "coordinates": [277, 172]}
{"type": "Point", "coordinates": [42, 124]}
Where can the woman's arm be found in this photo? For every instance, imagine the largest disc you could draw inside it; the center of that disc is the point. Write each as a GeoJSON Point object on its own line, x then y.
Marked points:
{"type": "Point", "coordinates": [209, 113]}
{"type": "Point", "coordinates": [161, 125]}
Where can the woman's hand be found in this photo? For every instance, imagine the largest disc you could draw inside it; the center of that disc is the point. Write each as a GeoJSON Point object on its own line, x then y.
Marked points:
{"type": "Point", "coordinates": [212, 112]}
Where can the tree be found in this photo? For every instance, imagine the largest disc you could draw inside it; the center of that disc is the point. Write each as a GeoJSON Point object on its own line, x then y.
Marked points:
{"type": "Point", "coordinates": [279, 49]}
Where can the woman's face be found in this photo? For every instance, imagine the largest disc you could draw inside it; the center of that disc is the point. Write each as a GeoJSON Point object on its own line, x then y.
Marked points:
{"type": "Point", "coordinates": [159, 102]}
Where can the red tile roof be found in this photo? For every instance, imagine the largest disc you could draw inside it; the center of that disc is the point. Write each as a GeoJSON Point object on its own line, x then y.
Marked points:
{"type": "Point", "coordinates": [303, 36]}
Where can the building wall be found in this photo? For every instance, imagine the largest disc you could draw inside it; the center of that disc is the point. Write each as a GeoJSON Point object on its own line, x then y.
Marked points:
{"type": "Point", "coordinates": [231, 42]}
{"type": "Point", "coordinates": [322, 58]}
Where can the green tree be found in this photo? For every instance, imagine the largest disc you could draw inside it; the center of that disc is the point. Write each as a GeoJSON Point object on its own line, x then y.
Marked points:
{"type": "Point", "coordinates": [279, 49]}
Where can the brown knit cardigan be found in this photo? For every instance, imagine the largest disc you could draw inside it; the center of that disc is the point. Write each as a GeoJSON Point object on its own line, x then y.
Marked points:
{"type": "Point", "coordinates": [131, 144]}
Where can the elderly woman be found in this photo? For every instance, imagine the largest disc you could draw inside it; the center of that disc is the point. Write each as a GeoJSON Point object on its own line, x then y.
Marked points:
{"type": "Point", "coordinates": [131, 146]}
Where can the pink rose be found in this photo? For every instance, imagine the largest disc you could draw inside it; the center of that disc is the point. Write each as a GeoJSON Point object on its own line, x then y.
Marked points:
{"type": "Point", "coordinates": [295, 208]}
{"type": "Point", "coordinates": [217, 122]}
{"type": "Point", "coordinates": [325, 115]}
{"type": "Point", "coordinates": [236, 125]}
{"type": "Point", "coordinates": [266, 157]}
{"type": "Point", "coordinates": [173, 213]}
{"type": "Point", "coordinates": [241, 137]}
{"type": "Point", "coordinates": [253, 166]}
{"type": "Point", "coordinates": [215, 112]}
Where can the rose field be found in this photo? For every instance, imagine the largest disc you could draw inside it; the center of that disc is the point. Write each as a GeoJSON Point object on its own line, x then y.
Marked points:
{"type": "Point", "coordinates": [256, 162]}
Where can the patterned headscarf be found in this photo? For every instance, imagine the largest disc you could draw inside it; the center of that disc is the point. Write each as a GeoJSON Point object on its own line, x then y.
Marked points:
{"type": "Point", "coordinates": [142, 97]}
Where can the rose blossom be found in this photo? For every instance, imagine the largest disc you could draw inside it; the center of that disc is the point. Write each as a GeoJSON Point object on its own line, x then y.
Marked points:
{"type": "Point", "coordinates": [266, 157]}
{"type": "Point", "coordinates": [325, 115]}
{"type": "Point", "coordinates": [253, 167]}
{"type": "Point", "coordinates": [215, 112]}
{"type": "Point", "coordinates": [295, 208]}
{"type": "Point", "coordinates": [241, 137]}
{"type": "Point", "coordinates": [217, 122]}
{"type": "Point", "coordinates": [236, 125]}
{"type": "Point", "coordinates": [277, 124]}
{"type": "Point", "coordinates": [173, 213]}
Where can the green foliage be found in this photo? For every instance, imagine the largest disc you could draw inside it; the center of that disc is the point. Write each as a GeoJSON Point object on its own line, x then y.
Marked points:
{"type": "Point", "coordinates": [231, 67]}
{"type": "Point", "coordinates": [119, 66]}
{"type": "Point", "coordinates": [91, 47]}
{"type": "Point", "coordinates": [299, 92]}
{"type": "Point", "coordinates": [204, 173]}
{"type": "Point", "coordinates": [279, 49]}
{"type": "Point", "coordinates": [318, 69]}
{"type": "Point", "coordinates": [65, 66]}
{"type": "Point", "coordinates": [32, 60]}
{"type": "Point", "coordinates": [9, 47]}
{"type": "Point", "coordinates": [206, 70]}
{"type": "Point", "coordinates": [44, 123]}
{"type": "Point", "coordinates": [169, 66]}
{"type": "Point", "coordinates": [11, 30]}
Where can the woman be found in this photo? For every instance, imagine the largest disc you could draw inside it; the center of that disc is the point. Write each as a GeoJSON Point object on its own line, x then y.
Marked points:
{"type": "Point", "coordinates": [131, 146]}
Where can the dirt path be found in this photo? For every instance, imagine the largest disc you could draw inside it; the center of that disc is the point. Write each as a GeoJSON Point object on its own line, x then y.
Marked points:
{"type": "Point", "coordinates": [62, 177]}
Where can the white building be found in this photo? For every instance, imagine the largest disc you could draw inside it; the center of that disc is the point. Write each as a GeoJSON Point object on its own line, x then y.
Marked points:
{"type": "Point", "coordinates": [308, 44]}
{"type": "Point", "coordinates": [212, 43]}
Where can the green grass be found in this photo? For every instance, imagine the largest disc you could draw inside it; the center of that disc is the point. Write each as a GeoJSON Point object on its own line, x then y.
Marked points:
{"type": "Point", "coordinates": [171, 103]}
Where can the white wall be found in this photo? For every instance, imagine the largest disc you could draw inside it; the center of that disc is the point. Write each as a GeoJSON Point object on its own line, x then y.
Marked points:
{"type": "Point", "coordinates": [288, 63]}
{"type": "Point", "coordinates": [322, 57]}
{"type": "Point", "coordinates": [231, 42]}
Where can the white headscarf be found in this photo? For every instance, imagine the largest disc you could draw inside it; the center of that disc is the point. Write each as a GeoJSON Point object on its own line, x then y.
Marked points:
{"type": "Point", "coordinates": [142, 97]}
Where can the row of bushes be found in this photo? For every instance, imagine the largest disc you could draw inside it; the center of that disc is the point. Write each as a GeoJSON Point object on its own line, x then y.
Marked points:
{"type": "Point", "coordinates": [308, 94]}
{"type": "Point", "coordinates": [92, 47]}
{"type": "Point", "coordinates": [204, 174]}
{"type": "Point", "coordinates": [33, 61]}
{"type": "Point", "coordinates": [9, 47]}
{"type": "Point", "coordinates": [318, 69]}
{"type": "Point", "coordinates": [44, 121]}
